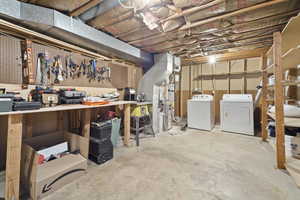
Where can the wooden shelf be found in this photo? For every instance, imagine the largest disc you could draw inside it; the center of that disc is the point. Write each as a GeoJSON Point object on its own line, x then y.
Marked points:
{"type": "Point", "coordinates": [290, 34]}
{"type": "Point", "coordinates": [291, 83]}
{"type": "Point", "coordinates": [258, 72]}
{"type": "Point", "coordinates": [286, 83]}
{"type": "Point", "coordinates": [288, 121]}
{"type": "Point", "coordinates": [285, 99]}
{"type": "Point", "coordinates": [291, 59]}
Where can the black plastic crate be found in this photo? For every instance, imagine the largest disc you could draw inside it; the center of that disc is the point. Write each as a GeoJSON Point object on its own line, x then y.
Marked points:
{"type": "Point", "coordinates": [98, 147]}
{"type": "Point", "coordinates": [101, 131]}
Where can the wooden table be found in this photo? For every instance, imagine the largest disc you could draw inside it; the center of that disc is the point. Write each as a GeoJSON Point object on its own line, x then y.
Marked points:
{"type": "Point", "coordinates": [15, 123]}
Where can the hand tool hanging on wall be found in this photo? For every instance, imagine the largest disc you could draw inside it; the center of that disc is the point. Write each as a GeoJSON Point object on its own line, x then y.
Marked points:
{"type": "Point", "coordinates": [93, 66]}
{"type": "Point", "coordinates": [27, 63]}
{"type": "Point", "coordinates": [72, 67]}
{"type": "Point", "coordinates": [44, 68]}
{"type": "Point", "coordinates": [57, 69]}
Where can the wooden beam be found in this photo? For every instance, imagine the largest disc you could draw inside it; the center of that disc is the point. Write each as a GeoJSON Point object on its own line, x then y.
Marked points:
{"type": "Point", "coordinates": [60, 121]}
{"type": "Point", "coordinates": [249, 40]}
{"type": "Point", "coordinates": [229, 56]}
{"type": "Point", "coordinates": [85, 7]}
{"type": "Point", "coordinates": [190, 81]}
{"type": "Point", "coordinates": [112, 21]}
{"type": "Point", "coordinates": [86, 123]}
{"type": "Point", "coordinates": [264, 106]}
{"type": "Point", "coordinates": [13, 158]}
{"type": "Point", "coordinates": [192, 10]}
{"type": "Point", "coordinates": [127, 124]}
{"type": "Point", "coordinates": [279, 98]}
{"type": "Point", "coordinates": [244, 77]}
{"type": "Point", "coordinates": [252, 34]}
{"type": "Point", "coordinates": [155, 36]}
{"type": "Point", "coordinates": [28, 118]}
{"type": "Point", "coordinates": [231, 14]}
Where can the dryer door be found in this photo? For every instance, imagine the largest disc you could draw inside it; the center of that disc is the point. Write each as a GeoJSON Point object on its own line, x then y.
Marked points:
{"type": "Point", "coordinates": [237, 117]}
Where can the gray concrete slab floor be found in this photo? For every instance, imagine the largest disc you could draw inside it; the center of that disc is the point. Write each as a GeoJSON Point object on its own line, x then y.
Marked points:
{"type": "Point", "coordinates": [195, 165]}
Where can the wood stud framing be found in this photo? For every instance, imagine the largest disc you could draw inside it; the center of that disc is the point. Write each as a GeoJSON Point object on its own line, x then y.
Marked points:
{"type": "Point", "coordinates": [279, 100]}
{"type": "Point", "coordinates": [264, 106]}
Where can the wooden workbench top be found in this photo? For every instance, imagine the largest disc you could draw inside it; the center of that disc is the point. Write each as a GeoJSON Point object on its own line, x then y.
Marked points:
{"type": "Point", "coordinates": [67, 107]}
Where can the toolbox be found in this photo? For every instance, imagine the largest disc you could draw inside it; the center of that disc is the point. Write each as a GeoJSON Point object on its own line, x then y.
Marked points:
{"type": "Point", "coordinates": [5, 104]}
{"type": "Point", "coordinates": [71, 96]}
{"type": "Point", "coordinates": [24, 105]}
{"type": "Point", "coordinates": [46, 96]}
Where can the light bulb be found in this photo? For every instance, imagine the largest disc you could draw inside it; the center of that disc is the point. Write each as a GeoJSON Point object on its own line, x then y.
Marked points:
{"type": "Point", "coordinates": [211, 59]}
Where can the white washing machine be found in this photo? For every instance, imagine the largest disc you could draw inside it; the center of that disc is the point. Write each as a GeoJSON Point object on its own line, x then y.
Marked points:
{"type": "Point", "coordinates": [236, 112]}
{"type": "Point", "coordinates": [200, 113]}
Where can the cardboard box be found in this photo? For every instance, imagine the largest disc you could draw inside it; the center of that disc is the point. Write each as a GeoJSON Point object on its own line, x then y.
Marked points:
{"type": "Point", "coordinates": [41, 180]}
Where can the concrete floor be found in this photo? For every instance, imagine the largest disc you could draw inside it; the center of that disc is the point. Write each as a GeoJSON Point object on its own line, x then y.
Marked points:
{"type": "Point", "coordinates": [190, 166]}
{"type": "Point", "coordinates": [193, 165]}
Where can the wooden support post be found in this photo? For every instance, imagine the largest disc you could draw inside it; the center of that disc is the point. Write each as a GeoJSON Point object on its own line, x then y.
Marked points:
{"type": "Point", "coordinates": [201, 80]}
{"type": "Point", "coordinates": [279, 97]}
{"type": "Point", "coordinates": [244, 77]}
{"type": "Point", "coordinates": [180, 95]}
{"type": "Point", "coordinates": [126, 124]}
{"type": "Point", "coordinates": [29, 125]}
{"type": "Point", "coordinates": [190, 81]}
{"type": "Point", "coordinates": [86, 123]}
{"type": "Point", "coordinates": [229, 77]}
{"type": "Point", "coordinates": [13, 158]}
{"type": "Point", "coordinates": [264, 106]}
{"type": "Point", "coordinates": [60, 121]}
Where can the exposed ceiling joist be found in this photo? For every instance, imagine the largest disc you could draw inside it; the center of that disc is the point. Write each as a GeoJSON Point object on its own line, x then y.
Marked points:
{"type": "Point", "coordinates": [271, 17]}
{"type": "Point", "coordinates": [229, 56]}
{"type": "Point", "coordinates": [231, 14]}
{"type": "Point", "coordinates": [192, 10]}
{"type": "Point", "coordinates": [253, 39]}
{"type": "Point", "coordinates": [85, 7]}
{"type": "Point", "coordinates": [99, 10]}
{"type": "Point", "coordinates": [242, 34]}
{"type": "Point", "coordinates": [227, 50]}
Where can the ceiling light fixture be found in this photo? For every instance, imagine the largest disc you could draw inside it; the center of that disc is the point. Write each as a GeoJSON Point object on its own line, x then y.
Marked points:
{"type": "Point", "coordinates": [212, 59]}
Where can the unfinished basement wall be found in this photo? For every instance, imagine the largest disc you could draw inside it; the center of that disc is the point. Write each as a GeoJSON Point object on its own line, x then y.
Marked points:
{"type": "Point", "coordinates": [11, 66]}
{"type": "Point", "coordinates": [226, 77]}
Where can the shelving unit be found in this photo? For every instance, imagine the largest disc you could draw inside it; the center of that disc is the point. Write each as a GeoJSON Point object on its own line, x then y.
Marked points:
{"type": "Point", "coordinates": [284, 55]}
{"type": "Point", "coordinates": [258, 72]}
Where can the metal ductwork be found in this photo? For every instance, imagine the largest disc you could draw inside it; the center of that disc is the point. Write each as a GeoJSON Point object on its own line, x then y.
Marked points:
{"type": "Point", "coordinates": [68, 29]}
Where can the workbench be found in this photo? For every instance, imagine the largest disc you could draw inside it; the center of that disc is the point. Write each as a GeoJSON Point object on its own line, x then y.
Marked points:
{"type": "Point", "coordinates": [15, 121]}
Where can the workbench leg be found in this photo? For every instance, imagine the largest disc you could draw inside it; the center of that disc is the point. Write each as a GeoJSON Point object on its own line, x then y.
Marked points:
{"type": "Point", "coordinates": [13, 159]}
{"type": "Point", "coordinates": [126, 124]}
{"type": "Point", "coordinates": [28, 118]}
{"type": "Point", "coordinates": [86, 123]}
{"type": "Point", "coordinates": [60, 121]}
{"type": "Point", "coordinates": [137, 132]}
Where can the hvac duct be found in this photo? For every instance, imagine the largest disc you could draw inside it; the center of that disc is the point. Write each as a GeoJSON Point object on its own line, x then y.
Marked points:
{"type": "Point", "coordinates": [68, 29]}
